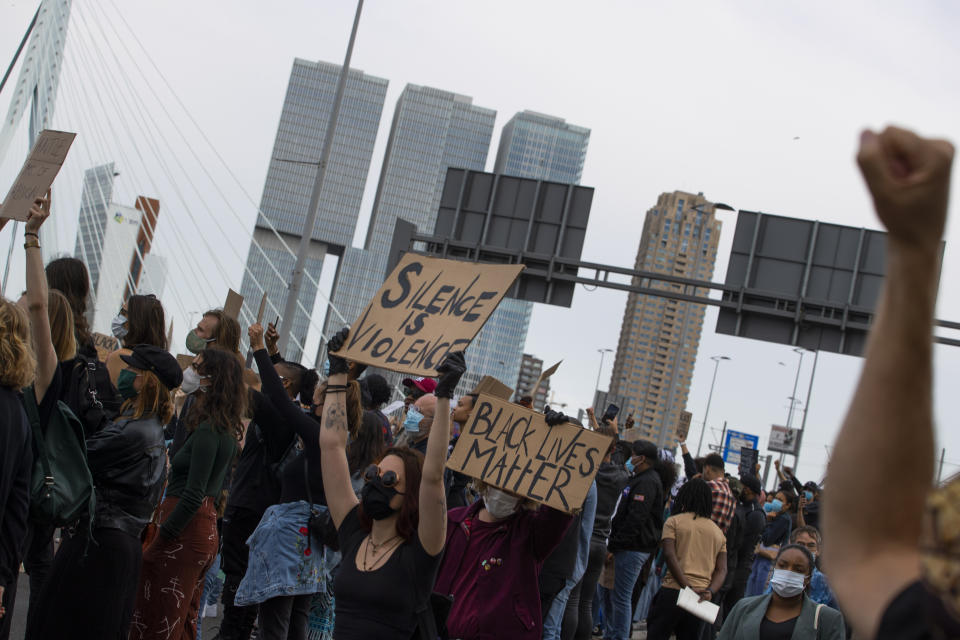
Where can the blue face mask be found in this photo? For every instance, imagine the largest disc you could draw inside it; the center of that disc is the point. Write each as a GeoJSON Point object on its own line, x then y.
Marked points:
{"type": "Point", "coordinates": [773, 507]}
{"type": "Point", "coordinates": [412, 422]}
{"type": "Point", "coordinates": [629, 465]}
{"type": "Point", "coordinates": [808, 495]}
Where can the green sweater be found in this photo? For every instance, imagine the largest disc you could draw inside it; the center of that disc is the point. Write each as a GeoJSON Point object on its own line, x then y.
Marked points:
{"type": "Point", "coordinates": [197, 471]}
{"type": "Point", "coordinates": [743, 621]}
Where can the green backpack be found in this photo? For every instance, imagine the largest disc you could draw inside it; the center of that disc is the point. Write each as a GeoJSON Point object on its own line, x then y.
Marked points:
{"type": "Point", "coordinates": [61, 486]}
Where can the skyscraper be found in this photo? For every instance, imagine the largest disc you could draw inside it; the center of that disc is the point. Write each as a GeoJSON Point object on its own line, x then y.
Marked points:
{"type": "Point", "coordinates": [659, 337]}
{"type": "Point", "coordinates": [432, 130]}
{"type": "Point", "coordinates": [541, 147]}
{"type": "Point", "coordinates": [290, 177]}
{"type": "Point", "coordinates": [530, 369]}
{"type": "Point", "coordinates": [94, 202]}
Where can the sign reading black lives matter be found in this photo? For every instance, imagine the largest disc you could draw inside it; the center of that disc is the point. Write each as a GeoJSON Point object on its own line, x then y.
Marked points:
{"type": "Point", "coordinates": [513, 448]}
{"type": "Point", "coordinates": [427, 308]}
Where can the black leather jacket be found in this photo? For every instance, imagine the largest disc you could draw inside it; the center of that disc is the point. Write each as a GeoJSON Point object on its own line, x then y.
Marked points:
{"type": "Point", "coordinates": [128, 461]}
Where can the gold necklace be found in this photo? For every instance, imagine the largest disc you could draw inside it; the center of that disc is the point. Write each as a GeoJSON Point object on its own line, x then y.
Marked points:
{"type": "Point", "coordinates": [367, 563]}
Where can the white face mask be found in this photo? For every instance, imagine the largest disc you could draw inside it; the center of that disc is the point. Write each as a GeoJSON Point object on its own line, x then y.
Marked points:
{"type": "Point", "coordinates": [500, 504]}
{"type": "Point", "coordinates": [787, 584]}
{"type": "Point", "coordinates": [191, 380]}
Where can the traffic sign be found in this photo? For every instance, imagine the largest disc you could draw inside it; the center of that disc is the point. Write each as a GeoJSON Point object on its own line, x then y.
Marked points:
{"type": "Point", "coordinates": [734, 442]}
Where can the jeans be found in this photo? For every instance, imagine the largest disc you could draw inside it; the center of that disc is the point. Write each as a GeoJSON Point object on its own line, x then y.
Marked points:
{"type": "Point", "coordinates": [628, 566]}
{"type": "Point", "coordinates": [588, 589]}
{"type": "Point", "coordinates": [553, 618]}
{"type": "Point", "coordinates": [285, 617]}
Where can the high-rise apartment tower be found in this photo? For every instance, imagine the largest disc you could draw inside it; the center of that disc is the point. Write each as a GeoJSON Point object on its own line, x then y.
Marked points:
{"type": "Point", "coordinates": [659, 336]}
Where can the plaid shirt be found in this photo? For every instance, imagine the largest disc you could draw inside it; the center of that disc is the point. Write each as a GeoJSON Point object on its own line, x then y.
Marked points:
{"type": "Point", "coordinates": [724, 504]}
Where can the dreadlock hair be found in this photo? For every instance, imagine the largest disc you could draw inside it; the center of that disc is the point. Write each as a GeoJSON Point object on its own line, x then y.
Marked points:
{"type": "Point", "coordinates": [694, 497]}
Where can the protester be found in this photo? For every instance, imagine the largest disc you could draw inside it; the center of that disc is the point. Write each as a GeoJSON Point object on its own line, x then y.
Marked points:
{"type": "Point", "coordinates": [93, 581]}
{"type": "Point", "coordinates": [69, 276]}
{"type": "Point", "coordinates": [268, 447]}
{"type": "Point", "coordinates": [288, 562]}
{"type": "Point", "coordinates": [457, 482]}
{"type": "Point", "coordinates": [564, 568]}
{"type": "Point", "coordinates": [418, 422]}
{"type": "Point", "coordinates": [873, 555]}
{"type": "Point", "coordinates": [818, 591]}
{"type": "Point", "coordinates": [215, 327]}
{"type": "Point", "coordinates": [495, 549]}
{"type": "Point", "coordinates": [394, 534]}
{"type": "Point", "coordinates": [47, 389]}
{"type": "Point", "coordinates": [379, 394]}
{"type": "Point", "coordinates": [140, 321]}
{"type": "Point", "coordinates": [696, 556]}
{"type": "Point", "coordinates": [610, 480]}
{"type": "Point", "coordinates": [787, 612]}
{"type": "Point", "coordinates": [16, 453]}
{"type": "Point", "coordinates": [776, 532]}
{"type": "Point", "coordinates": [724, 504]}
{"type": "Point", "coordinates": [754, 522]}
{"type": "Point", "coordinates": [635, 534]}
{"type": "Point", "coordinates": [365, 449]}
{"type": "Point", "coordinates": [417, 387]}
{"type": "Point", "coordinates": [175, 563]}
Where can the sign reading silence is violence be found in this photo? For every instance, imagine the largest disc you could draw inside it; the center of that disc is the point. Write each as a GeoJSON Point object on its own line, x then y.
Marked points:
{"type": "Point", "coordinates": [513, 448]}
{"type": "Point", "coordinates": [427, 308]}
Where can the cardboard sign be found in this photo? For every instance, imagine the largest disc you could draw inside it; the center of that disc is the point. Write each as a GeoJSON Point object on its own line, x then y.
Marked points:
{"type": "Point", "coordinates": [543, 376]}
{"type": "Point", "coordinates": [427, 307]}
{"type": "Point", "coordinates": [234, 303]}
{"type": "Point", "coordinates": [491, 386]}
{"type": "Point", "coordinates": [748, 461]}
{"type": "Point", "coordinates": [683, 425]}
{"type": "Point", "coordinates": [263, 307]}
{"type": "Point", "coordinates": [37, 174]}
{"type": "Point", "coordinates": [105, 345]}
{"type": "Point", "coordinates": [632, 435]}
{"type": "Point", "coordinates": [513, 448]}
{"type": "Point", "coordinates": [184, 361]}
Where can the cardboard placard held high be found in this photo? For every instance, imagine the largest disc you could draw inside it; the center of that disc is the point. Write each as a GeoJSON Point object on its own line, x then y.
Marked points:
{"type": "Point", "coordinates": [427, 308]}
{"type": "Point", "coordinates": [513, 448]}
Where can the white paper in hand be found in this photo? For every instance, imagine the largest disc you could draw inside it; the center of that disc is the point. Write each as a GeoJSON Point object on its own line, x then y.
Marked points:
{"type": "Point", "coordinates": [689, 601]}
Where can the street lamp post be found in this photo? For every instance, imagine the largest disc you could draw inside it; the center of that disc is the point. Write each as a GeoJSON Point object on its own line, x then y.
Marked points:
{"type": "Point", "coordinates": [706, 414]}
{"type": "Point", "coordinates": [602, 353]}
{"type": "Point", "coordinates": [793, 397]}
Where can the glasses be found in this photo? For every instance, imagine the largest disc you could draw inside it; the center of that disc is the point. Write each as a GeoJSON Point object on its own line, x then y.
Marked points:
{"type": "Point", "coordinates": [388, 478]}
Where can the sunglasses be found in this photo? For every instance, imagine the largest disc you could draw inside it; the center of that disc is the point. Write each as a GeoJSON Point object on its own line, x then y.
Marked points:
{"type": "Point", "coordinates": [388, 478]}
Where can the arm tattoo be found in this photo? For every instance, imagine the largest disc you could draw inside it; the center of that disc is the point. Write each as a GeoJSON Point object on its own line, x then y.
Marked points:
{"type": "Point", "coordinates": [336, 417]}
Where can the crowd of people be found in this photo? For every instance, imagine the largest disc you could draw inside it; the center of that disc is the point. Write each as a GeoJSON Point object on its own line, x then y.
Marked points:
{"type": "Point", "coordinates": [130, 486]}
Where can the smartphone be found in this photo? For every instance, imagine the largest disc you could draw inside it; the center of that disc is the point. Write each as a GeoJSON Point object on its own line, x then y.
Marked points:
{"type": "Point", "coordinates": [611, 412]}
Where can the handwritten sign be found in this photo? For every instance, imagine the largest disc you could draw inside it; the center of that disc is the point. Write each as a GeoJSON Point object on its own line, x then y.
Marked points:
{"type": "Point", "coordinates": [427, 308]}
{"type": "Point", "coordinates": [683, 425]}
{"type": "Point", "coordinates": [513, 448]}
{"type": "Point", "coordinates": [105, 345]}
{"type": "Point", "coordinates": [263, 308]}
{"type": "Point", "coordinates": [37, 174]}
{"type": "Point", "coordinates": [233, 304]}
{"type": "Point", "coordinates": [493, 387]}
{"type": "Point", "coordinates": [544, 376]}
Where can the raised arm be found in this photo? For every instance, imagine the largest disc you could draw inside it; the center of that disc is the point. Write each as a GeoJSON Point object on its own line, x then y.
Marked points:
{"type": "Point", "coordinates": [272, 387]}
{"type": "Point", "coordinates": [37, 299]}
{"type": "Point", "coordinates": [873, 556]}
{"type": "Point", "coordinates": [432, 528]}
{"type": "Point", "coordinates": [333, 436]}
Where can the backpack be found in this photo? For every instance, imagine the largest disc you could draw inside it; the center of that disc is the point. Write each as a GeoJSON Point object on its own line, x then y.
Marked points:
{"type": "Point", "coordinates": [90, 394]}
{"type": "Point", "coordinates": [61, 486]}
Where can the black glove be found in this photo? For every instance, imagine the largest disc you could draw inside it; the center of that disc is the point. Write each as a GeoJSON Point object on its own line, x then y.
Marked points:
{"type": "Point", "coordinates": [554, 418]}
{"type": "Point", "coordinates": [450, 370]}
{"type": "Point", "coordinates": [337, 364]}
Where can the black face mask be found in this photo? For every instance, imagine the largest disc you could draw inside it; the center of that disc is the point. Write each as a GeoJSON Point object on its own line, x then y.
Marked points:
{"type": "Point", "coordinates": [375, 498]}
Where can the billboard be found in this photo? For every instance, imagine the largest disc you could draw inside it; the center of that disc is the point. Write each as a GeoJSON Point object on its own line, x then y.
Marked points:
{"type": "Point", "coordinates": [783, 440]}
{"type": "Point", "coordinates": [735, 441]}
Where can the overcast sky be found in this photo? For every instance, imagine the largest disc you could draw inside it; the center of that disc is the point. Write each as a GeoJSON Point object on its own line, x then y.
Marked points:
{"type": "Point", "coordinates": [757, 104]}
